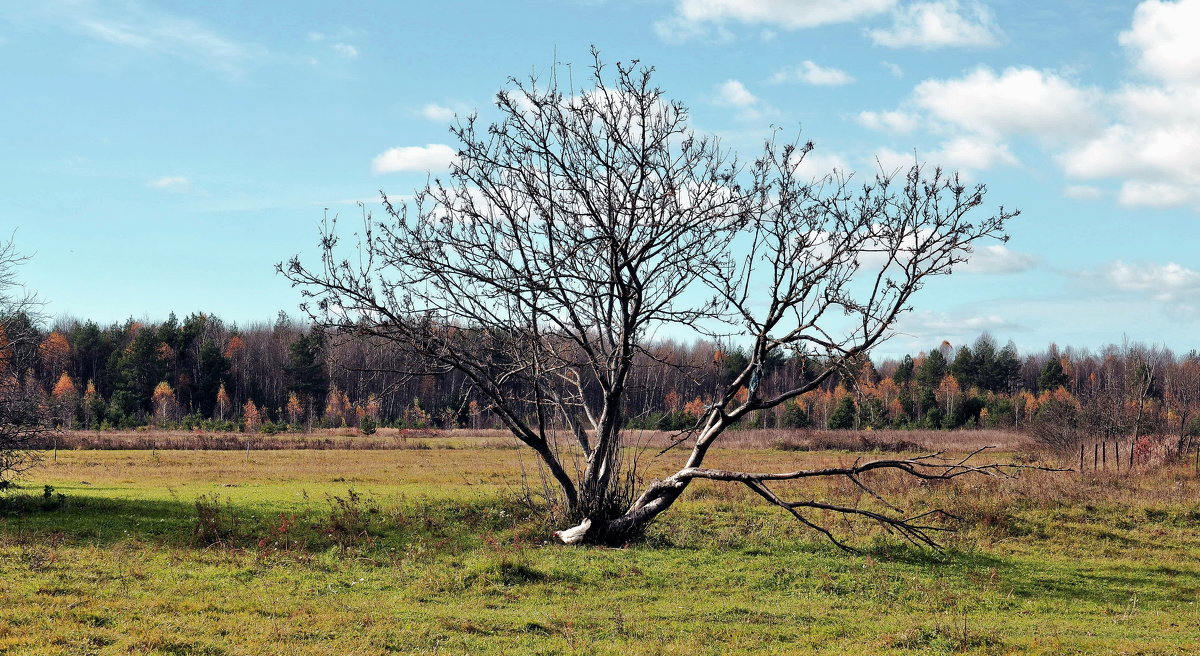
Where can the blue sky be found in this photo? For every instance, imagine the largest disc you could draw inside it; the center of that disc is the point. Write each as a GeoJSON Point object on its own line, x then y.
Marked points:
{"type": "Point", "coordinates": [163, 156]}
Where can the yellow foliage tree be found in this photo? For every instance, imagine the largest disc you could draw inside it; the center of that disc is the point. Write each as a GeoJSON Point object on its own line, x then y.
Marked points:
{"type": "Point", "coordinates": [295, 412]}
{"type": "Point", "coordinates": [224, 404]}
{"type": "Point", "coordinates": [165, 407]}
{"type": "Point", "coordinates": [251, 417]}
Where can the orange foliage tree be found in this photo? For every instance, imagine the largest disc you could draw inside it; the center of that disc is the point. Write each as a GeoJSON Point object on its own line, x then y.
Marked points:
{"type": "Point", "coordinates": [251, 417]}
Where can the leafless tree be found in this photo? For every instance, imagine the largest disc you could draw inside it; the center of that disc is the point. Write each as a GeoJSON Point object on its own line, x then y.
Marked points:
{"type": "Point", "coordinates": [23, 415]}
{"type": "Point", "coordinates": [582, 224]}
{"type": "Point", "coordinates": [1183, 397]}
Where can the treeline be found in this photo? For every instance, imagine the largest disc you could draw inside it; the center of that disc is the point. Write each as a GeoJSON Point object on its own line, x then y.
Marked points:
{"type": "Point", "coordinates": [203, 373]}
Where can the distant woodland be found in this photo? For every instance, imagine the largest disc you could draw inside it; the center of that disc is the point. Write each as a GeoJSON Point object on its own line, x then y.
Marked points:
{"type": "Point", "coordinates": [204, 373]}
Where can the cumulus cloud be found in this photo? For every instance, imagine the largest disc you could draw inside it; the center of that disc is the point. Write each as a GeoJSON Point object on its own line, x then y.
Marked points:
{"type": "Point", "coordinates": [1163, 282]}
{"type": "Point", "coordinates": [414, 158]}
{"type": "Point", "coordinates": [962, 152]}
{"type": "Point", "coordinates": [701, 18]}
{"type": "Point", "coordinates": [997, 258]}
{"type": "Point", "coordinates": [893, 122]}
{"type": "Point", "coordinates": [1152, 144]}
{"type": "Point", "coordinates": [1019, 100]}
{"type": "Point", "coordinates": [810, 73]}
{"type": "Point", "coordinates": [732, 93]}
{"type": "Point", "coordinates": [735, 94]}
{"type": "Point", "coordinates": [939, 24]}
{"type": "Point", "coordinates": [1162, 40]}
{"type": "Point", "coordinates": [436, 112]}
{"type": "Point", "coordinates": [817, 165]}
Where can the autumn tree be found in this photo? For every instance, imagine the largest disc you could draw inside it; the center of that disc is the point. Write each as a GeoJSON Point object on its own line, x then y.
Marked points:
{"type": "Point", "coordinates": [23, 417]}
{"type": "Point", "coordinates": [223, 405]}
{"type": "Point", "coordinates": [251, 417]}
{"type": "Point", "coordinates": [64, 399]}
{"type": "Point", "coordinates": [166, 408]}
{"type": "Point", "coordinates": [581, 223]}
{"type": "Point", "coordinates": [295, 412]}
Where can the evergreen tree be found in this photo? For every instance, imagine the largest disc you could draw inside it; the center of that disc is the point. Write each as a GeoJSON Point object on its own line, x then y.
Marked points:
{"type": "Point", "coordinates": [932, 370]}
{"type": "Point", "coordinates": [965, 368]}
{"type": "Point", "coordinates": [904, 372]}
{"type": "Point", "coordinates": [1052, 376]}
{"type": "Point", "coordinates": [305, 370]}
{"type": "Point", "coordinates": [214, 372]}
{"type": "Point", "coordinates": [843, 415]}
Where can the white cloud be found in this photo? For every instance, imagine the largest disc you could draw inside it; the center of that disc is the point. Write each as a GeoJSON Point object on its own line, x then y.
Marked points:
{"type": "Point", "coordinates": [436, 112]}
{"type": "Point", "coordinates": [735, 94]}
{"type": "Point", "coordinates": [817, 165]}
{"type": "Point", "coordinates": [414, 158]}
{"type": "Point", "coordinates": [1139, 193]}
{"type": "Point", "coordinates": [1152, 144]}
{"type": "Point", "coordinates": [939, 24]}
{"type": "Point", "coordinates": [894, 69]}
{"type": "Point", "coordinates": [962, 152]}
{"type": "Point", "coordinates": [1083, 192]}
{"type": "Point", "coordinates": [894, 122]}
{"type": "Point", "coordinates": [997, 258]}
{"type": "Point", "coordinates": [789, 14]}
{"type": "Point", "coordinates": [172, 183]}
{"type": "Point", "coordinates": [970, 152]}
{"type": "Point", "coordinates": [1019, 100]}
{"type": "Point", "coordinates": [1162, 40]}
{"type": "Point", "coordinates": [1164, 283]}
{"type": "Point", "coordinates": [707, 19]}
{"type": "Point", "coordinates": [810, 73]}
{"type": "Point", "coordinates": [345, 50]}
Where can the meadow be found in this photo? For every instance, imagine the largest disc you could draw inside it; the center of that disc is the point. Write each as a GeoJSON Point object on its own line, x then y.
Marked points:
{"type": "Point", "coordinates": [425, 544]}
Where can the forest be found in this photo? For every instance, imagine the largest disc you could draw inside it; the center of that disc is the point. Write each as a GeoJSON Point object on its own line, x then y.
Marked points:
{"type": "Point", "coordinates": [204, 373]}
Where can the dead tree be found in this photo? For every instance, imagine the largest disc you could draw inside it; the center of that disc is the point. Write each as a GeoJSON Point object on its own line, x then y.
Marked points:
{"type": "Point", "coordinates": [581, 224]}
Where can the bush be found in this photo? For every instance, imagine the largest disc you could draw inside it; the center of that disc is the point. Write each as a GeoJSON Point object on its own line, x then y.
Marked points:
{"type": "Point", "coordinates": [216, 523]}
{"type": "Point", "coordinates": [367, 425]}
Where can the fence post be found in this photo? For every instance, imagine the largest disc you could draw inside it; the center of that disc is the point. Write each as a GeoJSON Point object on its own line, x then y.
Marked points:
{"type": "Point", "coordinates": [1104, 454]}
{"type": "Point", "coordinates": [1081, 458]}
{"type": "Point", "coordinates": [1095, 455]}
{"type": "Point", "coordinates": [1130, 455]}
{"type": "Point", "coordinates": [1117, 453]}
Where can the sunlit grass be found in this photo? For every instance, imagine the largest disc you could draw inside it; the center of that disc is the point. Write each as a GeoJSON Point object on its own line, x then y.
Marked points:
{"type": "Point", "coordinates": [448, 562]}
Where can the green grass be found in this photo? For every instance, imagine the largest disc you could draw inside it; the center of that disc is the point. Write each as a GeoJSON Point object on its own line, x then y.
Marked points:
{"type": "Point", "coordinates": [434, 556]}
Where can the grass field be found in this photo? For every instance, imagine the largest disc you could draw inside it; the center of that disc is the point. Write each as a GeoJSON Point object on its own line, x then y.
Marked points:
{"type": "Point", "coordinates": [420, 550]}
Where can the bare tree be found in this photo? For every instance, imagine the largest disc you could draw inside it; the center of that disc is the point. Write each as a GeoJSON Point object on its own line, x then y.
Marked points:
{"type": "Point", "coordinates": [23, 415]}
{"type": "Point", "coordinates": [582, 224]}
{"type": "Point", "coordinates": [1183, 397]}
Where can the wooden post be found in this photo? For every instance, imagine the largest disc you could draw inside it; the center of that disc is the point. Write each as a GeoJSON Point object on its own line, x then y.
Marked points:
{"type": "Point", "coordinates": [1104, 454]}
{"type": "Point", "coordinates": [1131, 455]}
{"type": "Point", "coordinates": [1096, 456]}
{"type": "Point", "coordinates": [1117, 453]}
{"type": "Point", "coordinates": [1081, 458]}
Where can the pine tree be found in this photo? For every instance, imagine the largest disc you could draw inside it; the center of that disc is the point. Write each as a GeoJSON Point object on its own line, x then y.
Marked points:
{"type": "Point", "coordinates": [843, 416]}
